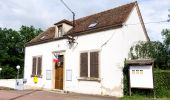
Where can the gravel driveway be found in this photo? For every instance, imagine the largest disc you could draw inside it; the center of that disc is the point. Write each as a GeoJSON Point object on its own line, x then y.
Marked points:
{"type": "Point", "coordinates": [47, 95]}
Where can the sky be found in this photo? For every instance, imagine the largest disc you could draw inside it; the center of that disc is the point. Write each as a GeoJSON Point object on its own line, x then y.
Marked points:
{"type": "Point", "coordinates": [44, 13]}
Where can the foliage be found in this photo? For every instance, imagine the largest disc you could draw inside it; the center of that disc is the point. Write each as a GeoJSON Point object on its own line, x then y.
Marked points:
{"type": "Point", "coordinates": [135, 97]}
{"type": "Point", "coordinates": [125, 79]}
{"type": "Point", "coordinates": [12, 44]}
{"type": "Point", "coordinates": [8, 72]}
{"type": "Point", "coordinates": [139, 97]}
{"type": "Point", "coordinates": [151, 49]}
{"type": "Point", "coordinates": [166, 36]}
{"type": "Point", "coordinates": [161, 82]}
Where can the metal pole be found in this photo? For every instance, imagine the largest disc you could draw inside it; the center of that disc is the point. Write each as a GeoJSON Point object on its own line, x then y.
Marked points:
{"type": "Point", "coordinates": [70, 11]}
{"type": "Point", "coordinates": [18, 74]}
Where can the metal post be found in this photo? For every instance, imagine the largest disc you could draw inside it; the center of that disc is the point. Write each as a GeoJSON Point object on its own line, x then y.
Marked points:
{"type": "Point", "coordinates": [18, 67]}
{"type": "Point", "coordinates": [0, 72]}
{"type": "Point", "coordinates": [18, 74]}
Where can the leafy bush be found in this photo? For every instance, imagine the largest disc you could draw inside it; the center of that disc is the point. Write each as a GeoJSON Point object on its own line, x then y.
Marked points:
{"type": "Point", "coordinates": [8, 72]}
{"type": "Point", "coordinates": [162, 83]}
{"type": "Point", "coordinates": [125, 80]}
{"type": "Point", "coordinates": [12, 44]}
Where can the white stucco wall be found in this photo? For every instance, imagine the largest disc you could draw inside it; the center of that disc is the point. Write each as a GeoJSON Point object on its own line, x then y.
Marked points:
{"type": "Point", "coordinates": [113, 46]}
{"type": "Point", "coordinates": [10, 83]}
{"type": "Point", "coordinates": [45, 50]}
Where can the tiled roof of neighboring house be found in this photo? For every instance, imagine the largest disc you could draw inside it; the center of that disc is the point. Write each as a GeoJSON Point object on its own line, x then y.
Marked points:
{"type": "Point", "coordinates": [112, 18]}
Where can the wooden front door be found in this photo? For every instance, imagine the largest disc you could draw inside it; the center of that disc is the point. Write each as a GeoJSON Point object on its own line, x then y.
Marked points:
{"type": "Point", "coordinates": [59, 75]}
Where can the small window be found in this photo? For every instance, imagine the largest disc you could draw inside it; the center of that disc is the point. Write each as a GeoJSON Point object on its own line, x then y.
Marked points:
{"type": "Point", "coordinates": [60, 31]}
{"type": "Point", "coordinates": [133, 72]}
{"type": "Point", "coordinates": [137, 71]}
{"type": "Point", "coordinates": [141, 72]}
{"type": "Point", "coordinates": [36, 66]}
{"type": "Point", "coordinates": [42, 37]}
{"type": "Point", "coordinates": [92, 25]}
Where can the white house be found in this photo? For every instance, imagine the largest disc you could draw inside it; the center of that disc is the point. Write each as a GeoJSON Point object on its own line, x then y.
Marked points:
{"type": "Point", "coordinates": [87, 57]}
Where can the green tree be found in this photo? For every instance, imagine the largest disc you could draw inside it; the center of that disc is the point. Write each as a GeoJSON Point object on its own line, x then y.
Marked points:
{"type": "Point", "coordinates": [166, 36]}
{"type": "Point", "coordinates": [151, 49]}
{"type": "Point", "coordinates": [12, 44]}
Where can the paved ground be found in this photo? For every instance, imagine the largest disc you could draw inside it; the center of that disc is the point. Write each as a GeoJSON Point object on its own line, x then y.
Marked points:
{"type": "Point", "coordinates": [46, 95]}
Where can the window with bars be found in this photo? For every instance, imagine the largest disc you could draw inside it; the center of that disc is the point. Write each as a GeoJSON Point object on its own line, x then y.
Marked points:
{"type": "Point", "coordinates": [89, 64]}
{"type": "Point", "coordinates": [36, 66]}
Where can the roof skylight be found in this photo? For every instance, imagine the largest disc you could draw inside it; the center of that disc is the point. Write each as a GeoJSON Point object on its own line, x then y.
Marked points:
{"type": "Point", "coordinates": [42, 37]}
{"type": "Point", "coordinates": [92, 24]}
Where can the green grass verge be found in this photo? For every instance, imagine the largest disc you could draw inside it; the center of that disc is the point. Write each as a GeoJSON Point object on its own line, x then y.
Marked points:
{"type": "Point", "coordinates": [137, 97]}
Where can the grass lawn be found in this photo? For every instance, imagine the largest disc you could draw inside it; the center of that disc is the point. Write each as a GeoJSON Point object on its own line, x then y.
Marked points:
{"type": "Point", "coordinates": [141, 98]}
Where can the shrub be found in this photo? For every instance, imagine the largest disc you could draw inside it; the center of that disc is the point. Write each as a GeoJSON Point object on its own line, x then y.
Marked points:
{"type": "Point", "coordinates": [8, 72]}
{"type": "Point", "coordinates": [162, 83]}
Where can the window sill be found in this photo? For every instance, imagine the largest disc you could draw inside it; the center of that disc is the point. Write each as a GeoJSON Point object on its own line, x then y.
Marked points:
{"type": "Point", "coordinates": [89, 79]}
{"type": "Point", "coordinates": [39, 76]}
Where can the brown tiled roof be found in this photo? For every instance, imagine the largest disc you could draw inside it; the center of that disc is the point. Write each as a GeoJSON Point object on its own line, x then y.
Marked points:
{"type": "Point", "coordinates": [112, 17]}
{"type": "Point", "coordinates": [48, 34]}
{"type": "Point", "coordinates": [108, 19]}
{"type": "Point", "coordinates": [64, 21]}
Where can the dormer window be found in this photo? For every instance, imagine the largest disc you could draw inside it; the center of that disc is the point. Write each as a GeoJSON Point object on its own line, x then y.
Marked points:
{"type": "Point", "coordinates": [62, 27]}
{"type": "Point", "coordinates": [60, 31]}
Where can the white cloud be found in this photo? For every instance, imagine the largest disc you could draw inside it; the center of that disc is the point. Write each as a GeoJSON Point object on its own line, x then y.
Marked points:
{"type": "Point", "coordinates": [44, 13]}
{"type": "Point", "coordinates": [155, 11]}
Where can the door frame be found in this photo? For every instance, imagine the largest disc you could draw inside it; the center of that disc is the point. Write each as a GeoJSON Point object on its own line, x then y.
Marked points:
{"type": "Point", "coordinates": [53, 69]}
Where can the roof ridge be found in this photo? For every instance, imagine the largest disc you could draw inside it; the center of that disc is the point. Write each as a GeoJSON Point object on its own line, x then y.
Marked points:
{"type": "Point", "coordinates": [107, 10]}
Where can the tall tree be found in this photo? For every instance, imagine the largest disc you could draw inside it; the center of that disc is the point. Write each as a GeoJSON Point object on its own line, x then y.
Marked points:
{"type": "Point", "coordinates": [151, 49]}
{"type": "Point", "coordinates": [12, 44]}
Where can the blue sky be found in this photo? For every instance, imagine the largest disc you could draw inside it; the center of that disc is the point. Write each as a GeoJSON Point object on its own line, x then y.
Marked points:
{"type": "Point", "coordinates": [44, 13]}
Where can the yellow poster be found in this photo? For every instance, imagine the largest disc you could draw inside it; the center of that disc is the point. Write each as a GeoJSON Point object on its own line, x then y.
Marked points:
{"type": "Point", "coordinates": [35, 79]}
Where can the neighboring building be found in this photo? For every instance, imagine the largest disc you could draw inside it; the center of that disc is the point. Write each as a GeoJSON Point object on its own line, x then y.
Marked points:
{"type": "Point", "coordinates": [87, 58]}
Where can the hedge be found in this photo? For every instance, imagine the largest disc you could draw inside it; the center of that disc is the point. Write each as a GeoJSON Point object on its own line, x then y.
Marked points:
{"type": "Point", "coordinates": [161, 84]}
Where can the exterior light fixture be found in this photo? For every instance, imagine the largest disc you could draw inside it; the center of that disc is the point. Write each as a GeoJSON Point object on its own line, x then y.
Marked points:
{"type": "Point", "coordinates": [18, 67]}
